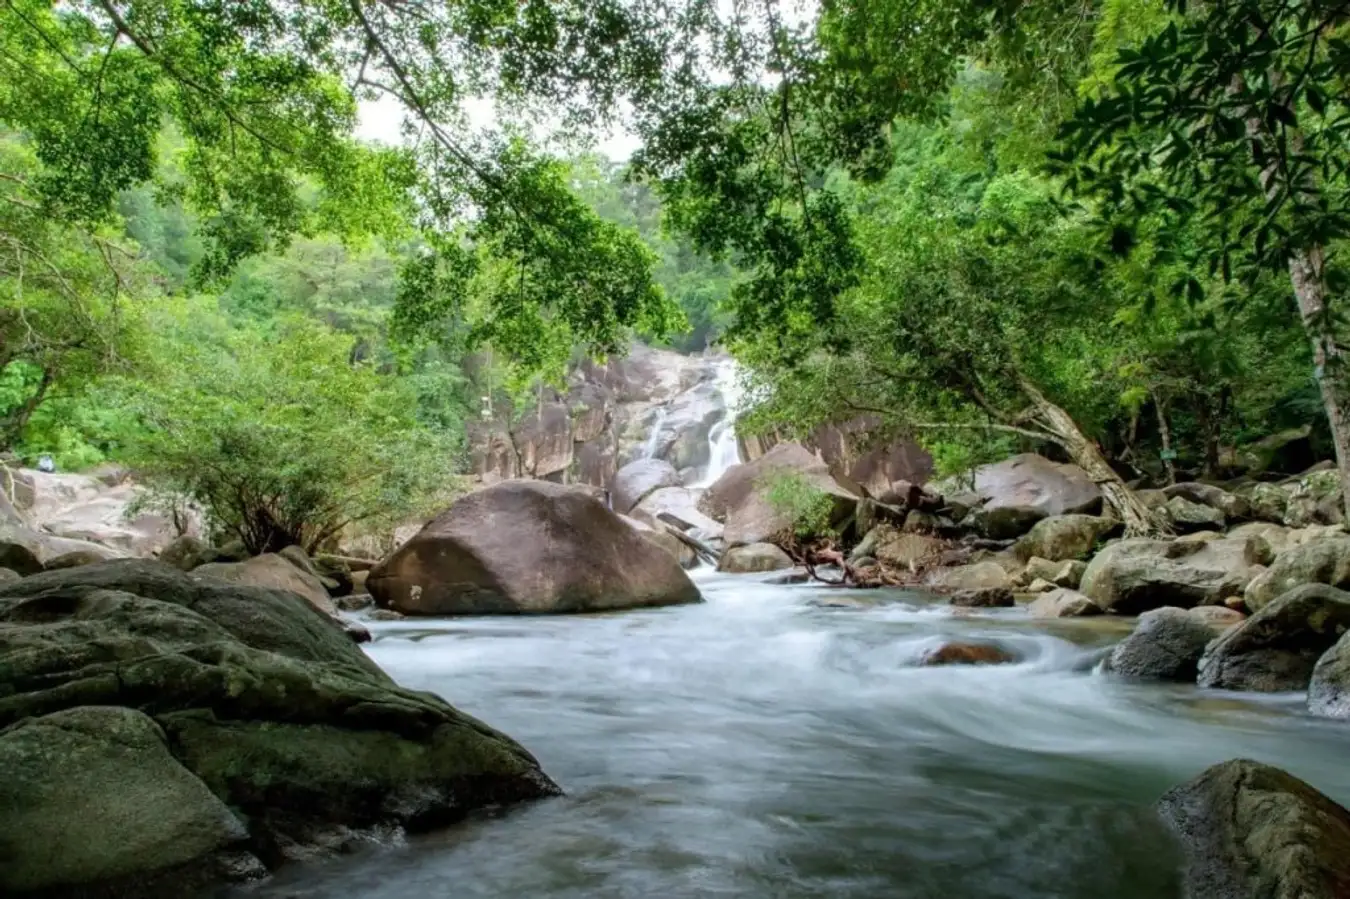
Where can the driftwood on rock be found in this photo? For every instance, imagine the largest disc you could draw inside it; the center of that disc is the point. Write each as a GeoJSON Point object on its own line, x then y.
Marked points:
{"type": "Point", "coordinates": [703, 550]}
{"type": "Point", "coordinates": [851, 576]}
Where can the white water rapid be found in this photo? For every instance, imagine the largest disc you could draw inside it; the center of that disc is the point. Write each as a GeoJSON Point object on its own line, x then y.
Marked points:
{"type": "Point", "coordinates": [724, 451]}
{"type": "Point", "coordinates": [759, 746]}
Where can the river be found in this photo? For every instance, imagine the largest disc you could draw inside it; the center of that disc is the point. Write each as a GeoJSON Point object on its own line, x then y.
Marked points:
{"type": "Point", "coordinates": [760, 745]}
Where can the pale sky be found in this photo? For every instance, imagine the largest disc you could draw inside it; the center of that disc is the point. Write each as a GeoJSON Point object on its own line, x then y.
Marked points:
{"type": "Point", "coordinates": [380, 120]}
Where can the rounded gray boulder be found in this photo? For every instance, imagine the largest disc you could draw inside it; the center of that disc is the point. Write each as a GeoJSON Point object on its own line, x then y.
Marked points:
{"type": "Point", "coordinates": [1166, 644]}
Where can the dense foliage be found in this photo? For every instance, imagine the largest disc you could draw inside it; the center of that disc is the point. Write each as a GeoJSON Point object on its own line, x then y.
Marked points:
{"type": "Point", "coordinates": [278, 435]}
{"type": "Point", "coordinates": [1108, 230]}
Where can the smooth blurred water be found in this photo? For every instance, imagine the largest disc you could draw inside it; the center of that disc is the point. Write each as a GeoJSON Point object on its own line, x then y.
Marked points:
{"type": "Point", "coordinates": [760, 745]}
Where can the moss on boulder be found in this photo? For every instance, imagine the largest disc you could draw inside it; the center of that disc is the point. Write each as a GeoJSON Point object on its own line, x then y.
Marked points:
{"type": "Point", "coordinates": [265, 700]}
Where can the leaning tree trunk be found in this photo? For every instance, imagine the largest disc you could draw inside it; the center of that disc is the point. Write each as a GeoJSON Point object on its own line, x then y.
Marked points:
{"type": "Point", "coordinates": [1139, 520]}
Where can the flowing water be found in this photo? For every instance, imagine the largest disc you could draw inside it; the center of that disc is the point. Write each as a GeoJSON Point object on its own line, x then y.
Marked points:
{"type": "Point", "coordinates": [653, 439]}
{"type": "Point", "coordinates": [723, 450]}
{"type": "Point", "coordinates": [760, 745]}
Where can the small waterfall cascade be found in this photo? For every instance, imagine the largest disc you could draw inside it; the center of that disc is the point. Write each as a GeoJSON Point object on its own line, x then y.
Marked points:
{"type": "Point", "coordinates": [724, 451]}
{"type": "Point", "coordinates": [649, 449]}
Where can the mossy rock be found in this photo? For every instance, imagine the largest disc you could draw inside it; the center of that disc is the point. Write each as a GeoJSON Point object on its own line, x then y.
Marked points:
{"type": "Point", "coordinates": [265, 699]}
{"type": "Point", "coordinates": [1250, 830]}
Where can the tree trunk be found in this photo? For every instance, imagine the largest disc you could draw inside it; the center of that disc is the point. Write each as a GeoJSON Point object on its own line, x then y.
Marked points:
{"type": "Point", "coordinates": [1308, 276]}
{"type": "Point", "coordinates": [1165, 435]}
{"type": "Point", "coordinates": [1310, 290]}
{"type": "Point", "coordinates": [1139, 520]}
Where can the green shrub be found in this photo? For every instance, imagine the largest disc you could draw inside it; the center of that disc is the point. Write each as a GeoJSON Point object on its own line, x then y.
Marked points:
{"type": "Point", "coordinates": [280, 437]}
{"type": "Point", "coordinates": [809, 509]}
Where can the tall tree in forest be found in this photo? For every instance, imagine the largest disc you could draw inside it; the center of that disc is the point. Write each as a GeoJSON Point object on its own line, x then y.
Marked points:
{"type": "Point", "coordinates": [1234, 113]}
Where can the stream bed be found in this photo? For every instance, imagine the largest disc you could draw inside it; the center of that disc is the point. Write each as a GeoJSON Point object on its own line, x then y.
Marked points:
{"type": "Point", "coordinates": [762, 745]}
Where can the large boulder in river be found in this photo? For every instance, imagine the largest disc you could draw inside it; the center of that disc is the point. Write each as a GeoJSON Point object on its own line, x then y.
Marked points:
{"type": "Point", "coordinates": [753, 558]}
{"type": "Point", "coordinates": [1250, 831]}
{"type": "Point", "coordinates": [274, 572]}
{"type": "Point", "coordinates": [637, 479]}
{"type": "Point", "coordinates": [741, 496]}
{"type": "Point", "coordinates": [528, 547]}
{"type": "Point", "coordinates": [1315, 498]}
{"type": "Point", "coordinates": [1166, 644]}
{"type": "Point", "coordinates": [1132, 576]}
{"type": "Point", "coordinates": [1277, 648]}
{"type": "Point", "coordinates": [1031, 480]}
{"type": "Point", "coordinates": [259, 699]}
{"type": "Point", "coordinates": [1324, 560]}
{"type": "Point", "coordinates": [1064, 537]}
{"type": "Point", "coordinates": [909, 552]}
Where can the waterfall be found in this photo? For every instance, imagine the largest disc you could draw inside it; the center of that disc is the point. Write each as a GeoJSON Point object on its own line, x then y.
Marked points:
{"type": "Point", "coordinates": [723, 450]}
{"type": "Point", "coordinates": [649, 450]}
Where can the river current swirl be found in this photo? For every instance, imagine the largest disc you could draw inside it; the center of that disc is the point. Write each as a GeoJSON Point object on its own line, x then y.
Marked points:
{"type": "Point", "coordinates": [763, 745]}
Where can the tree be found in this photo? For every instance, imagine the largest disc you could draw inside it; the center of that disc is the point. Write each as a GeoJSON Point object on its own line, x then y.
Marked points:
{"type": "Point", "coordinates": [978, 312]}
{"type": "Point", "coordinates": [264, 97]}
{"type": "Point", "coordinates": [65, 316]}
{"type": "Point", "coordinates": [277, 435]}
{"type": "Point", "coordinates": [1233, 113]}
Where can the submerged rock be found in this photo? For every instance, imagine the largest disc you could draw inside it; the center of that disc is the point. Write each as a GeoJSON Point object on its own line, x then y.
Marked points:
{"type": "Point", "coordinates": [1249, 830]}
{"type": "Point", "coordinates": [263, 702]}
{"type": "Point", "coordinates": [1166, 644]}
{"type": "Point", "coordinates": [1277, 648]}
{"type": "Point", "coordinates": [968, 654]}
{"type": "Point", "coordinates": [528, 547]}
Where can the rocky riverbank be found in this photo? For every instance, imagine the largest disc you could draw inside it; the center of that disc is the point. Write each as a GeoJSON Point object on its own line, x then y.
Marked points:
{"type": "Point", "coordinates": [221, 721]}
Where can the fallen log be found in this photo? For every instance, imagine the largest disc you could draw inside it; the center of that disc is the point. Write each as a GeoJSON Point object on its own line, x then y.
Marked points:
{"type": "Point", "coordinates": [701, 549]}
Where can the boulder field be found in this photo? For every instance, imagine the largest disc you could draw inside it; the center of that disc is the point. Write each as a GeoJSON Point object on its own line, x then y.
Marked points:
{"type": "Point", "coordinates": [161, 732]}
